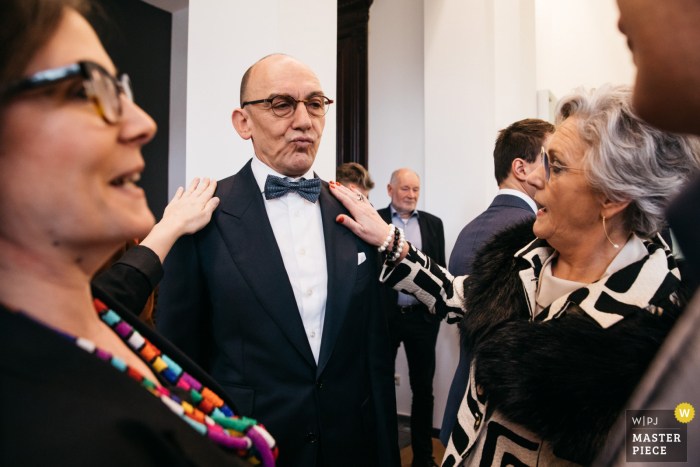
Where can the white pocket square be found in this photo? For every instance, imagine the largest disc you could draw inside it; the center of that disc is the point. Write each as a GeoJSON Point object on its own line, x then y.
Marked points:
{"type": "Point", "coordinates": [361, 258]}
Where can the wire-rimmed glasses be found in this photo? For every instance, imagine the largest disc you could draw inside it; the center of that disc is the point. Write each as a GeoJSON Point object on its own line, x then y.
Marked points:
{"type": "Point", "coordinates": [548, 166]}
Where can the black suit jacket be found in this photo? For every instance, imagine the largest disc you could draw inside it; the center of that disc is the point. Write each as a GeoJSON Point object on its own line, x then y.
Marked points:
{"type": "Point", "coordinates": [432, 235]}
{"type": "Point", "coordinates": [62, 406]}
{"type": "Point", "coordinates": [227, 302]}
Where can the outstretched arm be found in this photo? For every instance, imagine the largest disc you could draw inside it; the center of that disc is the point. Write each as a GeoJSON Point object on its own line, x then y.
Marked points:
{"type": "Point", "coordinates": [413, 272]}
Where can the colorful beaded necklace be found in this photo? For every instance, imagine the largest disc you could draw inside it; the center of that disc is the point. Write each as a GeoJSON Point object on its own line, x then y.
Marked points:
{"type": "Point", "coordinates": [196, 404]}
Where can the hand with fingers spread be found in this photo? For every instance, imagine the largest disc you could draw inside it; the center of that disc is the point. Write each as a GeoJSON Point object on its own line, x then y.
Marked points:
{"type": "Point", "coordinates": [188, 212]}
{"type": "Point", "coordinates": [365, 222]}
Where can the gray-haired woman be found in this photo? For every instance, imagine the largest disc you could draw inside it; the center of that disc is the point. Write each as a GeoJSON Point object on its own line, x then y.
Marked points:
{"type": "Point", "coordinates": [564, 316]}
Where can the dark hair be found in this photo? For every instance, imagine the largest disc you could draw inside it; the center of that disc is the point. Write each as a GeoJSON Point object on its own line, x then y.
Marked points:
{"type": "Point", "coordinates": [354, 173]}
{"type": "Point", "coordinates": [522, 140]}
{"type": "Point", "coordinates": [25, 26]}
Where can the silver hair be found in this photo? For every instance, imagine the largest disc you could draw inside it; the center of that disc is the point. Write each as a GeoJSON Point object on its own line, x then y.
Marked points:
{"type": "Point", "coordinates": [627, 159]}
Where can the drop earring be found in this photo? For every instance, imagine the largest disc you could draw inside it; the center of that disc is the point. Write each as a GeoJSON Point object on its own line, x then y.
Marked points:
{"type": "Point", "coordinates": [606, 235]}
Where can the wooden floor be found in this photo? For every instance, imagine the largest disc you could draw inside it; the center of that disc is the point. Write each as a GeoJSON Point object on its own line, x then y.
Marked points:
{"type": "Point", "coordinates": [438, 453]}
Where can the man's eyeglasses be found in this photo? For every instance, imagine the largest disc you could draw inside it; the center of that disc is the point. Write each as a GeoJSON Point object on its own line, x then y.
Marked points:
{"type": "Point", "coordinates": [548, 167]}
{"type": "Point", "coordinates": [101, 87]}
{"type": "Point", "coordinates": [285, 106]}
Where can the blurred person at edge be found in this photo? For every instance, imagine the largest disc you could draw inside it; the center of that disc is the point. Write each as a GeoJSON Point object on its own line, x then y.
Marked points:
{"type": "Point", "coordinates": [663, 38]}
{"type": "Point", "coordinates": [83, 382]}
{"type": "Point", "coordinates": [353, 174]}
{"type": "Point", "coordinates": [564, 315]}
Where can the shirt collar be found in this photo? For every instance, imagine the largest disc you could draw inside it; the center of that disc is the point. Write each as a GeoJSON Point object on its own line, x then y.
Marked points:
{"type": "Point", "coordinates": [521, 195]}
{"type": "Point", "coordinates": [395, 213]}
{"type": "Point", "coordinates": [261, 171]}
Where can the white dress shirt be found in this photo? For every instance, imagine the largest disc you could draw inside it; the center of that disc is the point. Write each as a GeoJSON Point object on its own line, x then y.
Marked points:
{"type": "Point", "coordinates": [521, 195]}
{"type": "Point", "coordinates": [411, 229]}
{"type": "Point", "coordinates": [298, 229]}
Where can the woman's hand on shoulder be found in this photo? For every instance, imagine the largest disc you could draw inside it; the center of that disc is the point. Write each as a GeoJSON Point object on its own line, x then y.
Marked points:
{"type": "Point", "coordinates": [188, 212]}
{"type": "Point", "coordinates": [365, 222]}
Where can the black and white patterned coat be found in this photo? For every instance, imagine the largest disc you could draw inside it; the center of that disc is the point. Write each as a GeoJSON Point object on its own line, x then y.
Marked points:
{"type": "Point", "coordinates": [553, 384]}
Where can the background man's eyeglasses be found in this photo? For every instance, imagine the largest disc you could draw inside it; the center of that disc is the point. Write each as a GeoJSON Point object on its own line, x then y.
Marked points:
{"type": "Point", "coordinates": [101, 87]}
{"type": "Point", "coordinates": [285, 106]}
{"type": "Point", "coordinates": [548, 166]}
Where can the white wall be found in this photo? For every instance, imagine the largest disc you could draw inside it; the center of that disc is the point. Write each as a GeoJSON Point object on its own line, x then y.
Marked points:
{"type": "Point", "coordinates": [578, 43]}
{"type": "Point", "coordinates": [514, 55]}
{"type": "Point", "coordinates": [459, 125]}
{"type": "Point", "coordinates": [478, 78]}
{"type": "Point", "coordinates": [396, 116]}
{"type": "Point", "coordinates": [225, 37]}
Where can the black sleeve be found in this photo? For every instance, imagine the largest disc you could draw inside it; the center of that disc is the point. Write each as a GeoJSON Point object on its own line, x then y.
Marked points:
{"type": "Point", "coordinates": [131, 280]}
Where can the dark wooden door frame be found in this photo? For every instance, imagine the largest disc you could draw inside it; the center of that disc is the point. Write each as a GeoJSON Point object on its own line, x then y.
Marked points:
{"type": "Point", "coordinates": [352, 82]}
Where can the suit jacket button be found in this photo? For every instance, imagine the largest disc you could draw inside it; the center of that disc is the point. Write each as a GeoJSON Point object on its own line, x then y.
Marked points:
{"type": "Point", "coordinates": [319, 384]}
{"type": "Point", "coordinates": [311, 437]}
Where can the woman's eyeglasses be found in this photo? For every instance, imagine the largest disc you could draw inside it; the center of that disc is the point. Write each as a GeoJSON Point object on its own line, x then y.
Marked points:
{"type": "Point", "coordinates": [101, 87]}
{"type": "Point", "coordinates": [548, 167]}
{"type": "Point", "coordinates": [284, 106]}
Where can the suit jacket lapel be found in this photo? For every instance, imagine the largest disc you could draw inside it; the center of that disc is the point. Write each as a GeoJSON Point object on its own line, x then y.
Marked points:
{"type": "Point", "coordinates": [248, 235]}
{"type": "Point", "coordinates": [386, 214]}
{"type": "Point", "coordinates": [341, 258]}
{"type": "Point", "coordinates": [424, 238]}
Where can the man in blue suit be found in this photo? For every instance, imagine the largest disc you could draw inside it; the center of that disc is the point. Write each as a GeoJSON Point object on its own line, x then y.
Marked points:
{"type": "Point", "coordinates": [279, 302]}
{"type": "Point", "coordinates": [516, 155]}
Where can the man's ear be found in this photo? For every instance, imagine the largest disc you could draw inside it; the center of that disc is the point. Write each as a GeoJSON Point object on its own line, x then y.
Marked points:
{"type": "Point", "coordinates": [388, 189]}
{"type": "Point", "coordinates": [241, 123]}
{"type": "Point", "coordinates": [517, 168]}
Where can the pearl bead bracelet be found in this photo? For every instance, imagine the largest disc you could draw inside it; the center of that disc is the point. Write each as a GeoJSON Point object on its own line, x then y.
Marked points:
{"type": "Point", "coordinates": [388, 239]}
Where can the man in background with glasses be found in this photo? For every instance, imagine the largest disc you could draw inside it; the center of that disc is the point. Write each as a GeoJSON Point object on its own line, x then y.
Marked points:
{"type": "Point", "coordinates": [276, 300]}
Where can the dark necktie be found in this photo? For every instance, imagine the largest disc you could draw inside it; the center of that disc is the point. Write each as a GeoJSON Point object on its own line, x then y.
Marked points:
{"type": "Point", "coordinates": [276, 187]}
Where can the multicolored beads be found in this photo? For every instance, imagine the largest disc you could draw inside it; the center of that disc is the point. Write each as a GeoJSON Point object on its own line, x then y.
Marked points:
{"type": "Point", "coordinates": [205, 411]}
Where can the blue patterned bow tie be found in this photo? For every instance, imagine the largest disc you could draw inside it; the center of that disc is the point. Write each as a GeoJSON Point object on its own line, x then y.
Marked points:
{"type": "Point", "coordinates": [276, 187]}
